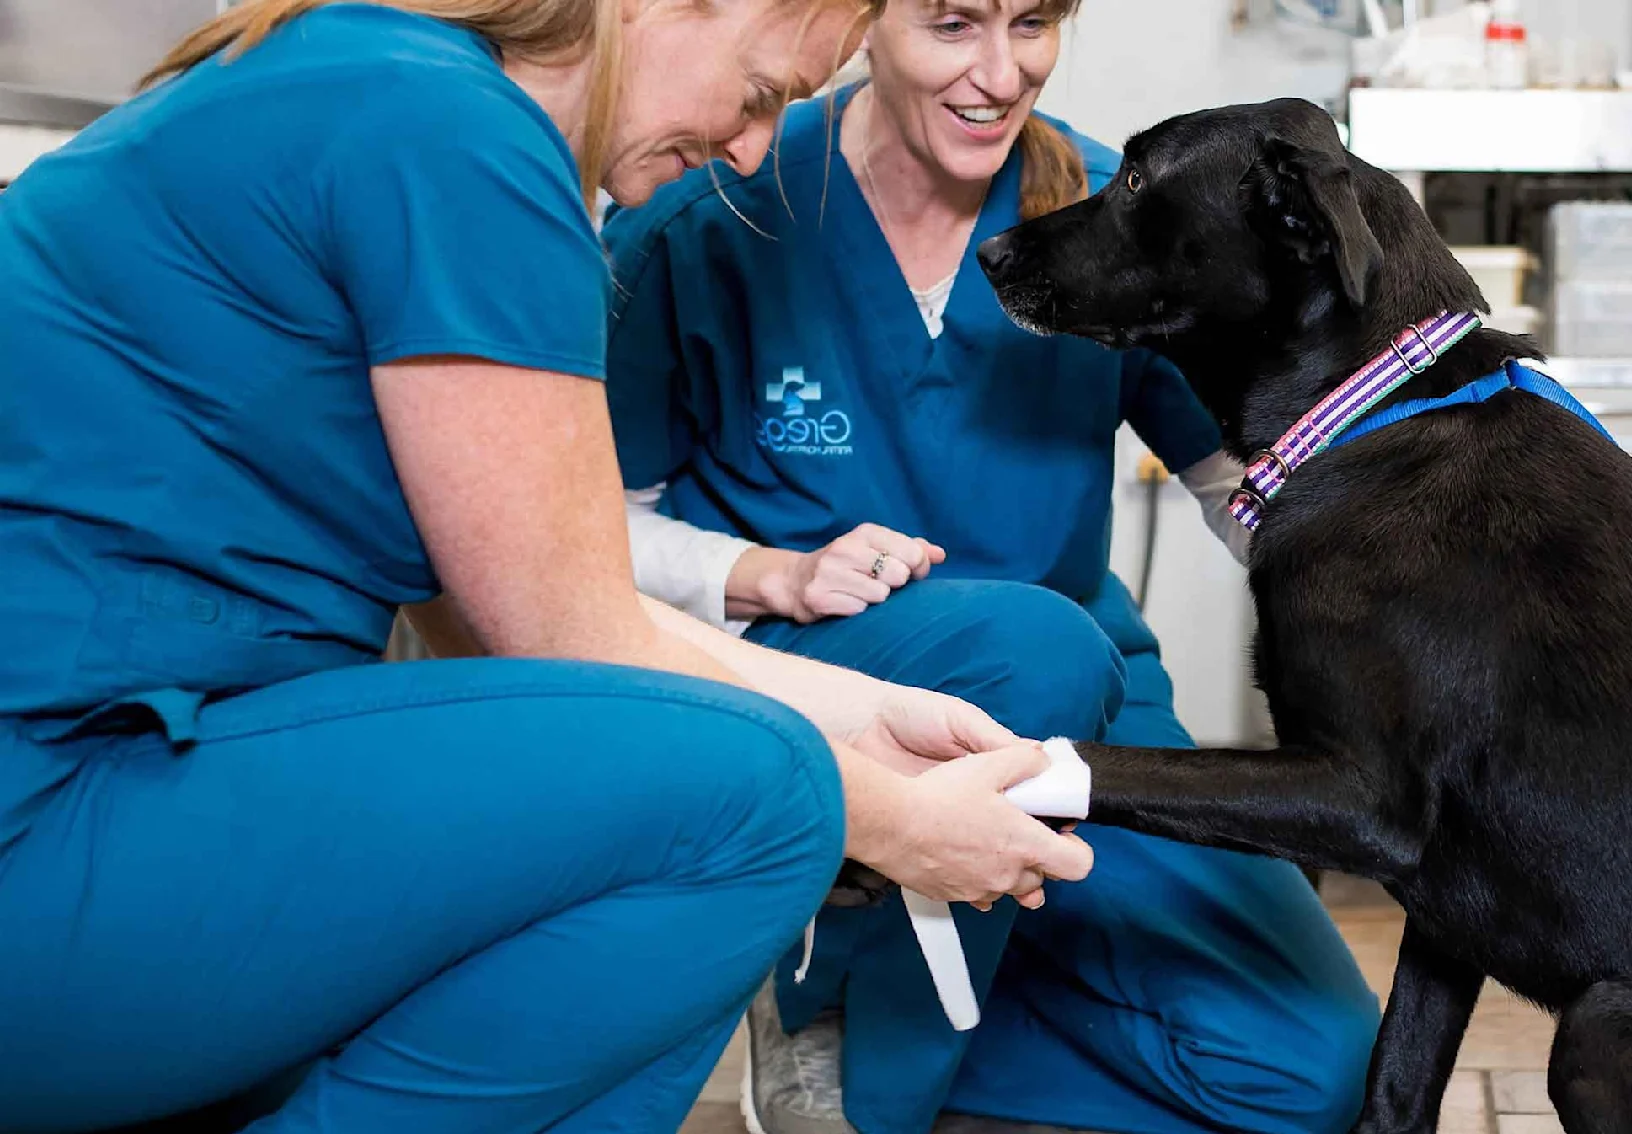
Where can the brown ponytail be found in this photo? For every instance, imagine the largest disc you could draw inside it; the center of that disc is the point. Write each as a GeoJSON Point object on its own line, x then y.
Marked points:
{"type": "Point", "coordinates": [1052, 175]}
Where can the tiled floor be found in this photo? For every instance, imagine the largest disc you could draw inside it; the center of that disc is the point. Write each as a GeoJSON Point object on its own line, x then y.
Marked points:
{"type": "Point", "coordinates": [1500, 1086]}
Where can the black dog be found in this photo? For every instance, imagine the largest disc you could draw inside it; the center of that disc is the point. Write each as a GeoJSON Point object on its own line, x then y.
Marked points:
{"type": "Point", "coordinates": [1444, 605]}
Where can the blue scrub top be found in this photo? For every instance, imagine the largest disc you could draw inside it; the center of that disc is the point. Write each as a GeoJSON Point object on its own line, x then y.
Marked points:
{"type": "Point", "coordinates": [786, 388]}
{"type": "Point", "coordinates": [195, 492]}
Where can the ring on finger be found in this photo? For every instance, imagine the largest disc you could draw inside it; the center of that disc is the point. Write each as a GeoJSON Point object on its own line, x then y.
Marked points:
{"type": "Point", "coordinates": [879, 561]}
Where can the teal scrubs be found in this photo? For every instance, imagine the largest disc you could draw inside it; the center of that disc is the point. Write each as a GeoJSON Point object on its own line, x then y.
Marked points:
{"type": "Point", "coordinates": [231, 843]}
{"type": "Point", "coordinates": [785, 388]}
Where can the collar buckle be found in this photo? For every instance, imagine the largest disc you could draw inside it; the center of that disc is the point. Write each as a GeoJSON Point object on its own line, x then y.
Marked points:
{"type": "Point", "coordinates": [1433, 355]}
{"type": "Point", "coordinates": [1252, 496]}
{"type": "Point", "coordinates": [1271, 455]}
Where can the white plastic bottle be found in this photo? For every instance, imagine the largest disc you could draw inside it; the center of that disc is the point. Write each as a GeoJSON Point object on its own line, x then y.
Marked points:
{"type": "Point", "coordinates": [1507, 47]}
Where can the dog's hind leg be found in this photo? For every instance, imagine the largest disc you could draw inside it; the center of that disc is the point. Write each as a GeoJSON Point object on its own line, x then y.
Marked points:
{"type": "Point", "coordinates": [1427, 1014]}
{"type": "Point", "coordinates": [1312, 808]}
{"type": "Point", "coordinates": [1590, 1078]}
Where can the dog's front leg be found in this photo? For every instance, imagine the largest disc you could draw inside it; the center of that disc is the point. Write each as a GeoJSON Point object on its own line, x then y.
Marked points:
{"type": "Point", "coordinates": [1312, 808]}
{"type": "Point", "coordinates": [1427, 1014]}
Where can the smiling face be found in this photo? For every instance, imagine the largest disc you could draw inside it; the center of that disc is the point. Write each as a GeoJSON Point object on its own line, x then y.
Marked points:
{"type": "Point", "coordinates": [706, 80]}
{"type": "Point", "coordinates": [958, 78]}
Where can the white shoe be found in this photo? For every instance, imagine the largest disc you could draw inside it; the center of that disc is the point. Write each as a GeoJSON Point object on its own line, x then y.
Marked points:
{"type": "Point", "coordinates": [790, 1084]}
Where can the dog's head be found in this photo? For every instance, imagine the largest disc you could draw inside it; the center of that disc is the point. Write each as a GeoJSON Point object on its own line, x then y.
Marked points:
{"type": "Point", "coordinates": [1209, 220]}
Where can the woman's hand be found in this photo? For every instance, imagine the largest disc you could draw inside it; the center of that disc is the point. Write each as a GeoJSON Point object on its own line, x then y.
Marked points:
{"type": "Point", "coordinates": [913, 730]}
{"type": "Point", "coordinates": [950, 834]}
{"type": "Point", "coordinates": [855, 571]}
{"type": "Point", "coordinates": [921, 734]}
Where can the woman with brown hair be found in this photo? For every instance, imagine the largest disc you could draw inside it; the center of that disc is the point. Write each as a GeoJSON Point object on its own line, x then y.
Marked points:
{"type": "Point", "coordinates": [837, 445]}
{"type": "Point", "coordinates": [312, 329]}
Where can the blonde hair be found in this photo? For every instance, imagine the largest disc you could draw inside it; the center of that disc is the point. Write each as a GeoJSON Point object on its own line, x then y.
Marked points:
{"type": "Point", "coordinates": [536, 29]}
{"type": "Point", "coordinates": [1052, 174]}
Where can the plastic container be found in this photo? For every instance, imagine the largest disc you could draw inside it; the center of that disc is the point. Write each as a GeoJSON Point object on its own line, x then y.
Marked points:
{"type": "Point", "coordinates": [1499, 271]}
{"type": "Point", "coordinates": [1592, 318]}
{"type": "Point", "coordinates": [1507, 48]}
{"type": "Point", "coordinates": [1590, 240]}
{"type": "Point", "coordinates": [1595, 65]}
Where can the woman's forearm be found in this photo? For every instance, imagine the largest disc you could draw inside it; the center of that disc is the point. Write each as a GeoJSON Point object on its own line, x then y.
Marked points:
{"type": "Point", "coordinates": [839, 701]}
{"type": "Point", "coordinates": [874, 805]}
{"type": "Point", "coordinates": [836, 700]}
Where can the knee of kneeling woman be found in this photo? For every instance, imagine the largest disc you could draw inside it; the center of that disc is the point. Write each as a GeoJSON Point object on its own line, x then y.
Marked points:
{"type": "Point", "coordinates": [773, 801]}
{"type": "Point", "coordinates": [1349, 1020]}
{"type": "Point", "coordinates": [1306, 1077]}
{"type": "Point", "coordinates": [1041, 665]}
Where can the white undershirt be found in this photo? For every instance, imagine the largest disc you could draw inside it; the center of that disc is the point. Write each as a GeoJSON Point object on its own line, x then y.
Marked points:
{"type": "Point", "coordinates": [931, 302]}
{"type": "Point", "coordinates": [687, 567]}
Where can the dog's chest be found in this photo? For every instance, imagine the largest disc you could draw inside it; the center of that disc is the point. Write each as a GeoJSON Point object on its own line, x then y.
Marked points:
{"type": "Point", "coordinates": [1521, 937]}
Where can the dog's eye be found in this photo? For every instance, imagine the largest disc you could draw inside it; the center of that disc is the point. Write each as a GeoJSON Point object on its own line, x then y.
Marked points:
{"type": "Point", "coordinates": [1136, 181]}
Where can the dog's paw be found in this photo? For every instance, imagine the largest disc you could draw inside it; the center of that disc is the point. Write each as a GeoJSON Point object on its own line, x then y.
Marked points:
{"type": "Point", "coordinates": [858, 885]}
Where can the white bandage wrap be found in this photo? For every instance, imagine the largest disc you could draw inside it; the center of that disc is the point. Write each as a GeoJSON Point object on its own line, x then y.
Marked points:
{"type": "Point", "coordinates": [1062, 792]}
{"type": "Point", "coordinates": [943, 953]}
{"type": "Point", "coordinates": [803, 970]}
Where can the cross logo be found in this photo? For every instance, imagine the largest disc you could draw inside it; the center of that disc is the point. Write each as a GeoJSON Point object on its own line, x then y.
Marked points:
{"type": "Point", "coordinates": [792, 392]}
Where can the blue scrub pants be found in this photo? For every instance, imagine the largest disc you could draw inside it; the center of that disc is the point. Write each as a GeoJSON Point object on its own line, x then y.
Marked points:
{"type": "Point", "coordinates": [1176, 990]}
{"type": "Point", "coordinates": [498, 896]}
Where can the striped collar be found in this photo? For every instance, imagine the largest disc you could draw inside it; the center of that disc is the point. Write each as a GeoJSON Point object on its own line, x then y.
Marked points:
{"type": "Point", "coordinates": [1413, 351]}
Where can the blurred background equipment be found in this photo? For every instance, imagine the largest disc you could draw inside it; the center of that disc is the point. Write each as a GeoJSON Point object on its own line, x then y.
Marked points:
{"type": "Point", "coordinates": [62, 62]}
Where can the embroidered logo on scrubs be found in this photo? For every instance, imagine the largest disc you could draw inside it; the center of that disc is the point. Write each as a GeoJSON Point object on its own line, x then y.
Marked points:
{"type": "Point", "coordinates": [799, 424]}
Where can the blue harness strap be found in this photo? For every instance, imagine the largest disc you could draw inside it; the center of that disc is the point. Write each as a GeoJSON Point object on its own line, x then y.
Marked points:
{"type": "Point", "coordinates": [1512, 376]}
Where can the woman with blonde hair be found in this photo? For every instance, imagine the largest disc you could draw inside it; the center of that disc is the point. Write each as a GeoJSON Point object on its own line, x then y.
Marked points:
{"type": "Point", "coordinates": [841, 448]}
{"type": "Point", "coordinates": [314, 329]}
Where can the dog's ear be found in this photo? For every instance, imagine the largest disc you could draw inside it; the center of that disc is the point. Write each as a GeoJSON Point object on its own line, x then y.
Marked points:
{"type": "Point", "coordinates": [1305, 195]}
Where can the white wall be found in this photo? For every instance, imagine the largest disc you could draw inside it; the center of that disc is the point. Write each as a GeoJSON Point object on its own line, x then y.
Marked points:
{"type": "Point", "coordinates": [1127, 65]}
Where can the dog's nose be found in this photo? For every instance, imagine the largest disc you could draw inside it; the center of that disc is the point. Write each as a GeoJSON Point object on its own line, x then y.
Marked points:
{"type": "Point", "coordinates": [995, 254]}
